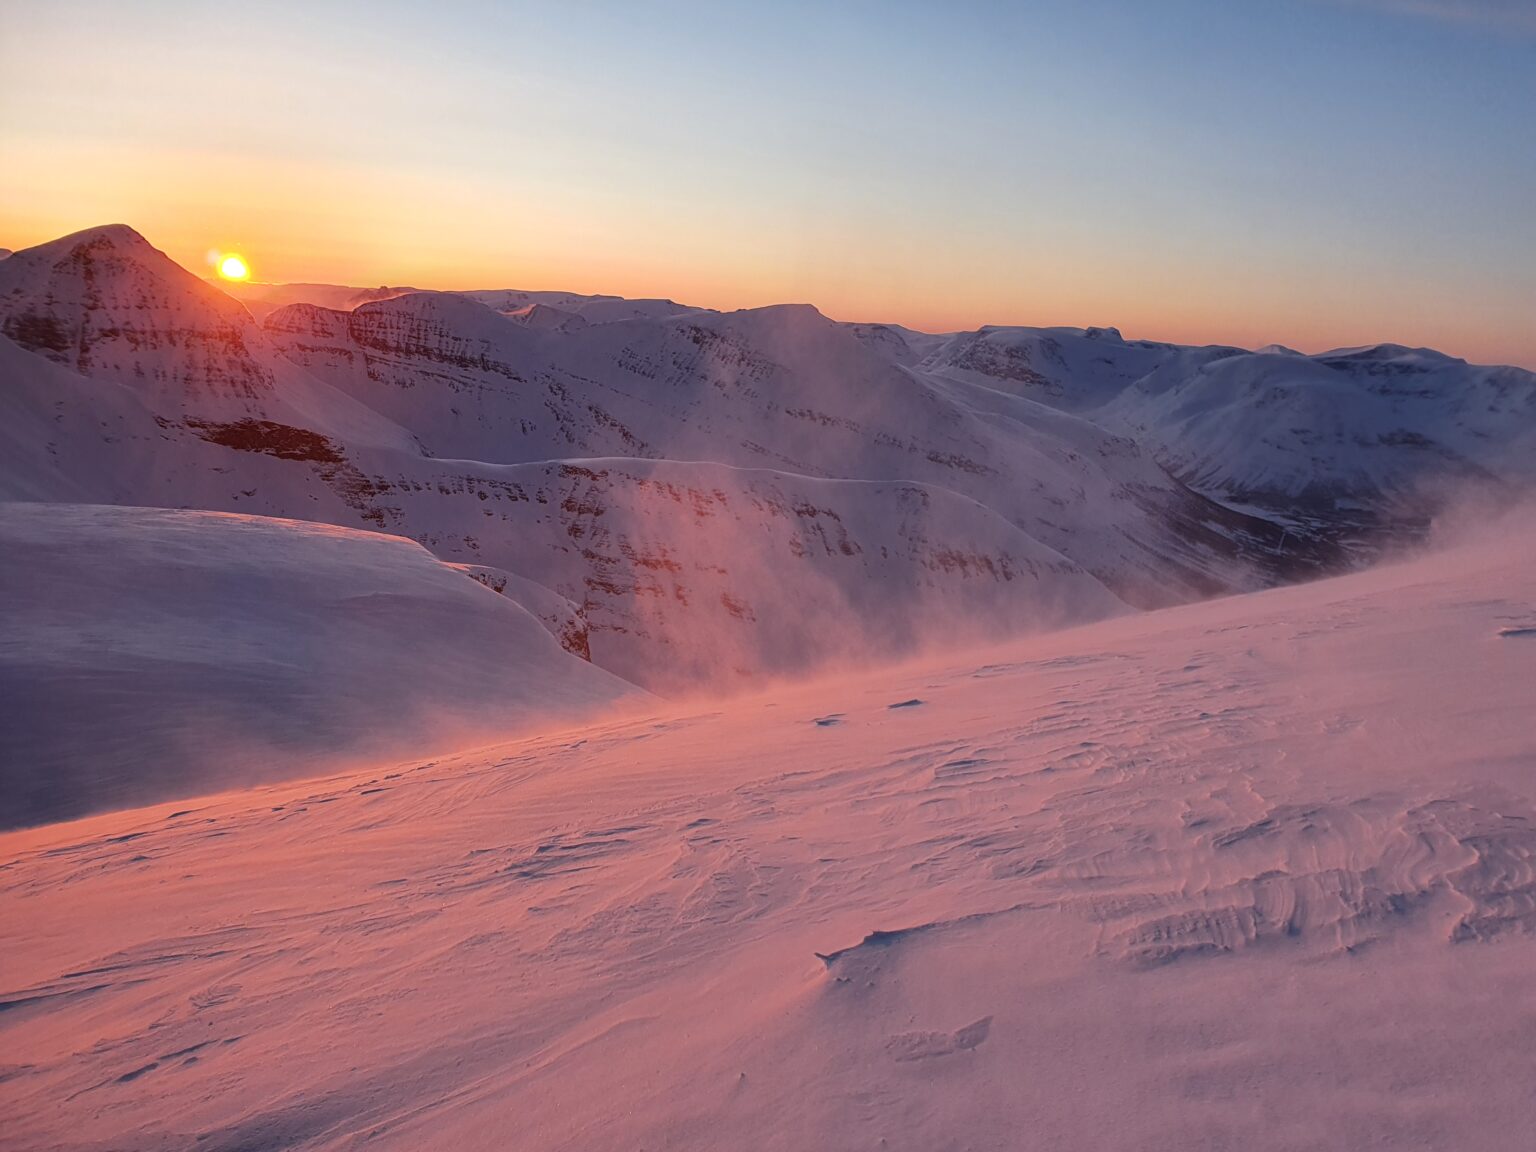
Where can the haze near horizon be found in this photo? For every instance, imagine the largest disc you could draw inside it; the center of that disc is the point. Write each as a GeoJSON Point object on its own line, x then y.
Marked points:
{"type": "Point", "coordinates": [1191, 171]}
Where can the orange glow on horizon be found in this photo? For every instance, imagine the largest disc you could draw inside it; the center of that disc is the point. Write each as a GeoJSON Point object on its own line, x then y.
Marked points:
{"type": "Point", "coordinates": [426, 230]}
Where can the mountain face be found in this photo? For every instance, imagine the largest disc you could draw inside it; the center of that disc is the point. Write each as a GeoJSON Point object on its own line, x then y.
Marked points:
{"type": "Point", "coordinates": [602, 506]}
{"type": "Point", "coordinates": [1362, 440]}
{"type": "Point", "coordinates": [100, 302]}
{"type": "Point", "coordinates": [688, 498]}
{"type": "Point", "coordinates": [1369, 435]}
{"type": "Point", "coordinates": [781, 388]}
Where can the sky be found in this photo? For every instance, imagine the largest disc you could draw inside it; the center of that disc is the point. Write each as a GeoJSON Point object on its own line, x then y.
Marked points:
{"type": "Point", "coordinates": [1316, 173]}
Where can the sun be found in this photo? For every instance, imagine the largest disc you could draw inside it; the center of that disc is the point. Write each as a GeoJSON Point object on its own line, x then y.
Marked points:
{"type": "Point", "coordinates": [233, 267]}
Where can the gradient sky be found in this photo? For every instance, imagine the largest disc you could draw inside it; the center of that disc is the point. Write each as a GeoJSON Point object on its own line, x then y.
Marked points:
{"type": "Point", "coordinates": [1313, 172]}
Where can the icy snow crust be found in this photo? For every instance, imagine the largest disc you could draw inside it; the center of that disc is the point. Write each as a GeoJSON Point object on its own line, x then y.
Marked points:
{"type": "Point", "coordinates": [147, 653]}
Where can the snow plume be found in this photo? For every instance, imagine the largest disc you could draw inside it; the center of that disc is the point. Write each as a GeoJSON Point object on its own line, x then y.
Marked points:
{"type": "Point", "coordinates": [1482, 515]}
{"type": "Point", "coordinates": [702, 575]}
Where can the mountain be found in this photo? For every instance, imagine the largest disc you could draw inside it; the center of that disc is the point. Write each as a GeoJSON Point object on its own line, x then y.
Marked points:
{"type": "Point", "coordinates": [1363, 443]}
{"type": "Point", "coordinates": [1346, 450]}
{"type": "Point", "coordinates": [1073, 369]}
{"type": "Point", "coordinates": [782, 388]}
{"type": "Point", "coordinates": [107, 306]}
{"type": "Point", "coordinates": [1368, 436]}
{"type": "Point", "coordinates": [262, 299]}
{"type": "Point", "coordinates": [154, 653]}
{"type": "Point", "coordinates": [818, 473]}
{"type": "Point", "coordinates": [697, 501]}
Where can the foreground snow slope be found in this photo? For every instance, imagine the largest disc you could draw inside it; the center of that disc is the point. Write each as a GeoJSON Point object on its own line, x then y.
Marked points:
{"type": "Point", "coordinates": [1256, 873]}
{"type": "Point", "coordinates": [147, 653]}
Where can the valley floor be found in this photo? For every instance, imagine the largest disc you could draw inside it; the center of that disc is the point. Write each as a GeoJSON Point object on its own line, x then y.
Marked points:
{"type": "Point", "coordinates": [1258, 873]}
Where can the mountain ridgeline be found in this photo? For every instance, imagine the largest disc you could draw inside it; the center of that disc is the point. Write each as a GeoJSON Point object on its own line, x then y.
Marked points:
{"type": "Point", "coordinates": [695, 501]}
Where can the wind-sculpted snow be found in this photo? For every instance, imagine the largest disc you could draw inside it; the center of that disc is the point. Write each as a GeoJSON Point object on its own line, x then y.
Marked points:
{"type": "Point", "coordinates": [1255, 873]}
{"type": "Point", "coordinates": [147, 653]}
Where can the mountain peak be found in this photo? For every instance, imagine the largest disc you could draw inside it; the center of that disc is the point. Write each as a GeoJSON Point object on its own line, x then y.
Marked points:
{"type": "Point", "coordinates": [116, 238]}
{"type": "Point", "coordinates": [105, 302]}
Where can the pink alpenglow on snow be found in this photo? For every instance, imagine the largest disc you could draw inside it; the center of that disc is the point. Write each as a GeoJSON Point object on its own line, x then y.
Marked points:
{"type": "Point", "coordinates": [532, 719]}
{"type": "Point", "coordinates": [784, 578]}
{"type": "Point", "coordinates": [1204, 878]}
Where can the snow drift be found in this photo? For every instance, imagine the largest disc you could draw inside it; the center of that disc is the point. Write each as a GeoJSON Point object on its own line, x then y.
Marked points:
{"type": "Point", "coordinates": [149, 653]}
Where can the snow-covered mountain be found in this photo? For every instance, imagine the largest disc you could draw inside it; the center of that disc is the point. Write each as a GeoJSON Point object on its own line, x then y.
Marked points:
{"type": "Point", "coordinates": [1367, 441]}
{"type": "Point", "coordinates": [1383, 430]}
{"type": "Point", "coordinates": [263, 299]}
{"type": "Point", "coordinates": [107, 306]}
{"type": "Point", "coordinates": [695, 500]}
{"type": "Point", "coordinates": [781, 388]}
{"type": "Point", "coordinates": [814, 471]}
{"type": "Point", "coordinates": [1373, 438]}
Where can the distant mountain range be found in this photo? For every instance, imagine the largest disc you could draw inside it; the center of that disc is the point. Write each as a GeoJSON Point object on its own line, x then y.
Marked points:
{"type": "Point", "coordinates": [694, 500]}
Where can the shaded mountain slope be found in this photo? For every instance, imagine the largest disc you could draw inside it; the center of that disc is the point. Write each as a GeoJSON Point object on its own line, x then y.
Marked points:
{"type": "Point", "coordinates": [152, 653]}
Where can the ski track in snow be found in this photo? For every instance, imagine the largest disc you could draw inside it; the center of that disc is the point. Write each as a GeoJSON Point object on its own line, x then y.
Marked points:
{"type": "Point", "coordinates": [1255, 873]}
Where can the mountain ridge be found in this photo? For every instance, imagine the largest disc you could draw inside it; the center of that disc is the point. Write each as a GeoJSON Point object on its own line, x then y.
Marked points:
{"type": "Point", "coordinates": [699, 501]}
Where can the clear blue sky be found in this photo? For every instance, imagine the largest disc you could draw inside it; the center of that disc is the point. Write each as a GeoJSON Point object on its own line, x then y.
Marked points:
{"type": "Point", "coordinates": [1313, 172]}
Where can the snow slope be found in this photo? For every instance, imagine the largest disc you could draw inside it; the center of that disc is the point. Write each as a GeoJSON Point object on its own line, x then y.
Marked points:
{"type": "Point", "coordinates": [147, 653]}
{"type": "Point", "coordinates": [1254, 873]}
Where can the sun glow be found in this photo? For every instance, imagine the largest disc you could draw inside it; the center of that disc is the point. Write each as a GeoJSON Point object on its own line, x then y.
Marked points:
{"type": "Point", "coordinates": [233, 267]}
